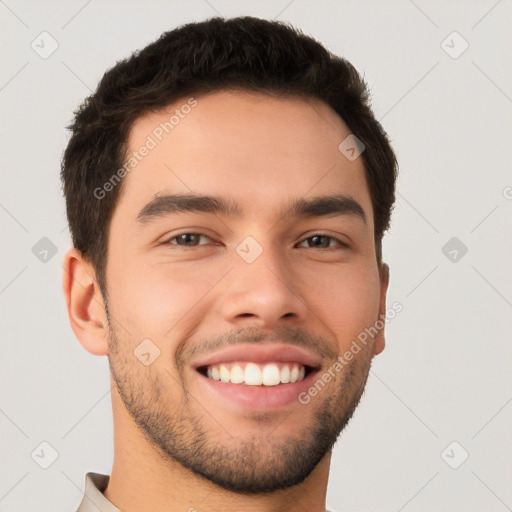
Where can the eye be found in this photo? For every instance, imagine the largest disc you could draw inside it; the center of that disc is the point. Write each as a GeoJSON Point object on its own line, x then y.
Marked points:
{"type": "Point", "coordinates": [322, 241]}
{"type": "Point", "coordinates": [187, 239]}
{"type": "Point", "coordinates": [318, 241]}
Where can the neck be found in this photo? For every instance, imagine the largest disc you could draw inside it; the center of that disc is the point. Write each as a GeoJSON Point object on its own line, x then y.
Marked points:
{"type": "Point", "coordinates": [142, 480]}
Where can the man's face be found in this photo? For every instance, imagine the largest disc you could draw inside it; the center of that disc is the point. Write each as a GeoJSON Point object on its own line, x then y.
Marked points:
{"type": "Point", "coordinates": [257, 280]}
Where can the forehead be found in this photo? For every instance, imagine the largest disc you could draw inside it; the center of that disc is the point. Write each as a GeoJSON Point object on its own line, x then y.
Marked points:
{"type": "Point", "coordinates": [254, 148]}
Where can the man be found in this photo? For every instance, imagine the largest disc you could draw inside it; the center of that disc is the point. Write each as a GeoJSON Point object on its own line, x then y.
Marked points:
{"type": "Point", "coordinates": [227, 191]}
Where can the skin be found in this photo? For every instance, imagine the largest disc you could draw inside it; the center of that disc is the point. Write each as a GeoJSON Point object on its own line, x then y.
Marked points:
{"type": "Point", "coordinates": [175, 445]}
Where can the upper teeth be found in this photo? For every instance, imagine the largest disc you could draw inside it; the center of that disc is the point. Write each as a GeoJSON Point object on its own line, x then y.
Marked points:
{"type": "Point", "coordinates": [255, 375]}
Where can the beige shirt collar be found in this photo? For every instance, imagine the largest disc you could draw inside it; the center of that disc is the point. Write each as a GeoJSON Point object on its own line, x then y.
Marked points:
{"type": "Point", "coordinates": [93, 500]}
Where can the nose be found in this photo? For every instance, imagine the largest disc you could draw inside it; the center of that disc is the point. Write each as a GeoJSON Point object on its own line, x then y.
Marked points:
{"type": "Point", "coordinates": [263, 293]}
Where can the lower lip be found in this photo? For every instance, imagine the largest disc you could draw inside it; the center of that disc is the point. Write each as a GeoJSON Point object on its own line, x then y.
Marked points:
{"type": "Point", "coordinates": [260, 397]}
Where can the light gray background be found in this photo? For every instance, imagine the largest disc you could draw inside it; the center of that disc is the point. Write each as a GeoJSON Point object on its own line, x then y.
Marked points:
{"type": "Point", "coordinates": [446, 372]}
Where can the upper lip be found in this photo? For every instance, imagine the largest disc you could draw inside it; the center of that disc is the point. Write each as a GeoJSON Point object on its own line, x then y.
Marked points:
{"type": "Point", "coordinates": [262, 354]}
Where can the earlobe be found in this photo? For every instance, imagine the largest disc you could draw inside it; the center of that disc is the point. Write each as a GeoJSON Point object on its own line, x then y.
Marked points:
{"type": "Point", "coordinates": [380, 341]}
{"type": "Point", "coordinates": [84, 303]}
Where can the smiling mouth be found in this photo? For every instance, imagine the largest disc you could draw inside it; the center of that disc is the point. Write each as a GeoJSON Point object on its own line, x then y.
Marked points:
{"type": "Point", "coordinates": [257, 374]}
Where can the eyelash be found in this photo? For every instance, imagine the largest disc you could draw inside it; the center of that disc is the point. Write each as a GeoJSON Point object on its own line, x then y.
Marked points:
{"type": "Point", "coordinates": [325, 235]}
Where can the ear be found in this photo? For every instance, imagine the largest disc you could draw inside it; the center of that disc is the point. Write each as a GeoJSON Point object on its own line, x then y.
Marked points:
{"type": "Point", "coordinates": [380, 341]}
{"type": "Point", "coordinates": [84, 302]}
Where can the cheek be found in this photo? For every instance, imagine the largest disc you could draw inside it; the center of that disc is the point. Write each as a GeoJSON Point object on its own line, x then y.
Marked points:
{"type": "Point", "coordinates": [346, 300]}
{"type": "Point", "coordinates": [157, 298]}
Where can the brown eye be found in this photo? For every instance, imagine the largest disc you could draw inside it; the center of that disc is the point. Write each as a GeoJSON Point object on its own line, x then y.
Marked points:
{"type": "Point", "coordinates": [187, 239]}
{"type": "Point", "coordinates": [322, 242]}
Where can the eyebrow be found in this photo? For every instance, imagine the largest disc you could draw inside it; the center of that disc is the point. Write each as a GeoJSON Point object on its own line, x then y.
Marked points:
{"type": "Point", "coordinates": [321, 206]}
